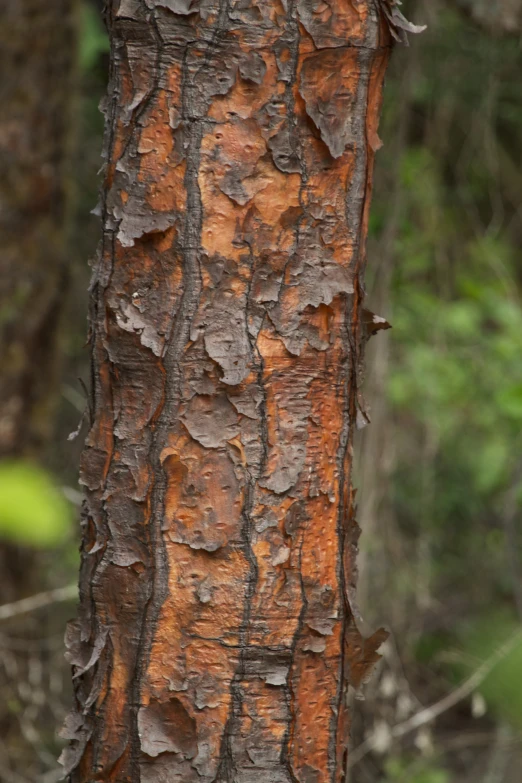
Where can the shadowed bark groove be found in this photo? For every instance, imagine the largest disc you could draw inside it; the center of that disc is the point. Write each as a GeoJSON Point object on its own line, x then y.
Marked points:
{"type": "Point", "coordinates": [216, 639]}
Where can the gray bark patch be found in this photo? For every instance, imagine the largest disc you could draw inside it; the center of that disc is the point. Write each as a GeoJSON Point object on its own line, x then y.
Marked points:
{"type": "Point", "coordinates": [212, 421]}
{"type": "Point", "coordinates": [167, 727]}
{"type": "Point", "coordinates": [328, 98]}
{"type": "Point", "coordinates": [181, 7]}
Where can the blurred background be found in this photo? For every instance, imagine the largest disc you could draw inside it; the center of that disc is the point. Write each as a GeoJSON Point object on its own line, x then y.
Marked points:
{"type": "Point", "coordinates": [439, 471]}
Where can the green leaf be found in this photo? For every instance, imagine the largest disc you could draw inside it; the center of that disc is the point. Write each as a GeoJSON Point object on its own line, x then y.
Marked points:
{"type": "Point", "coordinates": [510, 401]}
{"type": "Point", "coordinates": [93, 37]}
{"type": "Point", "coordinates": [405, 770]}
{"type": "Point", "coordinates": [32, 510]}
{"type": "Point", "coordinates": [490, 463]}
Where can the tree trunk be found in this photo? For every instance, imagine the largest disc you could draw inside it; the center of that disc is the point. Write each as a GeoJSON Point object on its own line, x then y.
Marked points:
{"type": "Point", "coordinates": [36, 62]}
{"type": "Point", "coordinates": [216, 639]}
{"type": "Point", "coordinates": [37, 50]}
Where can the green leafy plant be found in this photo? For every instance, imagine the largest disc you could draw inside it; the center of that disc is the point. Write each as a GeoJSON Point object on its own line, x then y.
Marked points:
{"type": "Point", "coordinates": [93, 39]}
{"type": "Point", "coordinates": [404, 770]}
{"type": "Point", "coordinates": [33, 511]}
{"type": "Point", "coordinates": [501, 689]}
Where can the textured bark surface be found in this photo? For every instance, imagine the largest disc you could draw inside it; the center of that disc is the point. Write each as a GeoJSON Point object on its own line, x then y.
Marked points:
{"type": "Point", "coordinates": [216, 639]}
{"type": "Point", "coordinates": [37, 50]}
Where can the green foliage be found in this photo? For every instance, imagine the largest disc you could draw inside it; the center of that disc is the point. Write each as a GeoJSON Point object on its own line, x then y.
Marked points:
{"type": "Point", "coordinates": [501, 689]}
{"type": "Point", "coordinates": [456, 306]}
{"type": "Point", "coordinates": [32, 510]}
{"type": "Point", "coordinates": [402, 770]}
{"type": "Point", "coordinates": [93, 37]}
{"type": "Point", "coordinates": [447, 220]}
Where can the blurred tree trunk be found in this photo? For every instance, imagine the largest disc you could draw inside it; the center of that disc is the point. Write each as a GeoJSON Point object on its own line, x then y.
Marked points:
{"type": "Point", "coordinates": [503, 16]}
{"type": "Point", "coordinates": [216, 639]}
{"type": "Point", "coordinates": [37, 55]}
{"type": "Point", "coordinates": [381, 549]}
{"type": "Point", "coordinates": [37, 51]}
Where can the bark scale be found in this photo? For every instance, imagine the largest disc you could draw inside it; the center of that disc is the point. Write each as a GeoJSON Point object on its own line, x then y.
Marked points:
{"type": "Point", "coordinates": [216, 639]}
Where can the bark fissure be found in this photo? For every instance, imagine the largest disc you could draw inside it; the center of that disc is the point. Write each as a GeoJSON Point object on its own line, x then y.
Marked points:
{"type": "Point", "coordinates": [285, 756]}
{"type": "Point", "coordinates": [182, 321]}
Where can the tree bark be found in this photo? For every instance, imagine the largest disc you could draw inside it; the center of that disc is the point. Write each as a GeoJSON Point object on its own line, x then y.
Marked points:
{"type": "Point", "coordinates": [216, 639]}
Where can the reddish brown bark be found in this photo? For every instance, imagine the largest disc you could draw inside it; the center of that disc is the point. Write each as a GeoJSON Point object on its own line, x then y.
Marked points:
{"type": "Point", "coordinates": [216, 639]}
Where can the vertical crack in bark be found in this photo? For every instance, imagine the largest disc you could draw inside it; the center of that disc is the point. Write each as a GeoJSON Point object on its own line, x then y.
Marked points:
{"type": "Point", "coordinates": [344, 472]}
{"type": "Point", "coordinates": [355, 202]}
{"type": "Point", "coordinates": [227, 766]}
{"type": "Point", "coordinates": [295, 40]}
{"type": "Point", "coordinates": [290, 695]}
{"type": "Point", "coordinates": [158, 580]}
{"type": "Point", "coordinates": [178, 339]}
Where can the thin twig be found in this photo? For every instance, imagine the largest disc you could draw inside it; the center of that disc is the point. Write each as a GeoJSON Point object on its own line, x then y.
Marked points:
{"type": "Point", "coordinates": [429, 714]}
{"type": "Point", "coordinates": [38, 601]}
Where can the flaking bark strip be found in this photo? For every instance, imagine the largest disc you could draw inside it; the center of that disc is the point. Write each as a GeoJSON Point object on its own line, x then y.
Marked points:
{"type": "Point", "coordinates": [216, 638]}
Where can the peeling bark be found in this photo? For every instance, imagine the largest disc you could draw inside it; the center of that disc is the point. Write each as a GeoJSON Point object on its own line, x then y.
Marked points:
{"type": "Point", "coordinates": [216, 640]}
